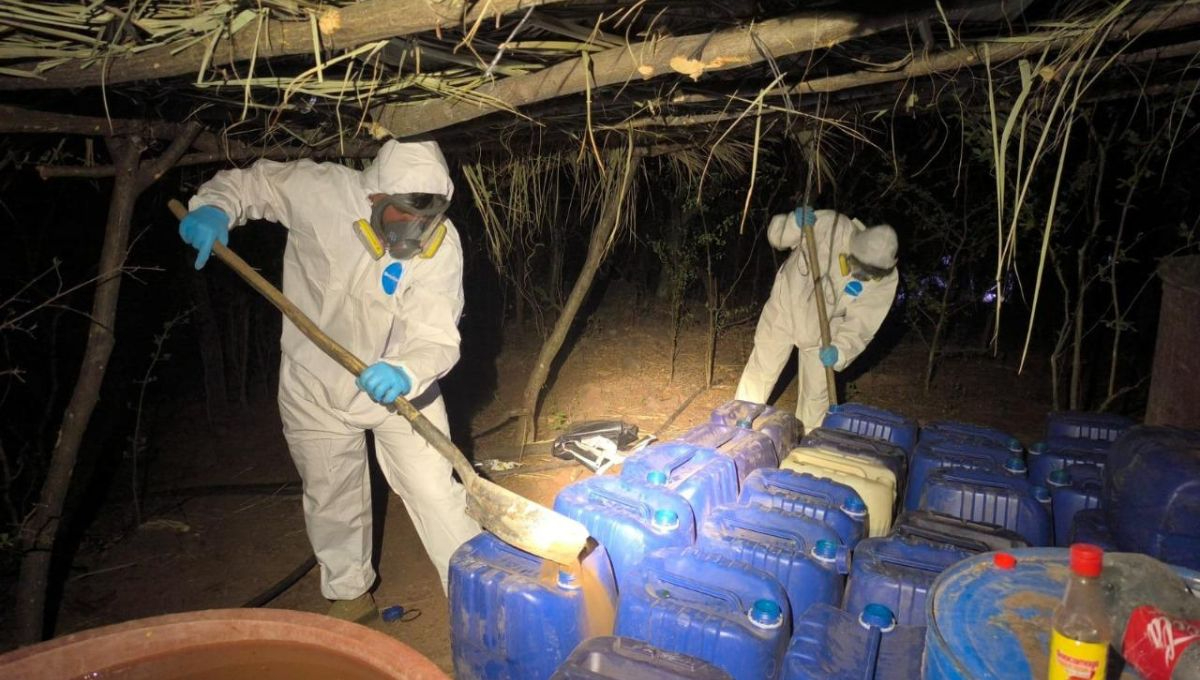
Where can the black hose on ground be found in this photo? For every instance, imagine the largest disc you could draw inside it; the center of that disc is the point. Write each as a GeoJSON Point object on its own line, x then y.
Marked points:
{"type": "Point", "coordinates": [282, 584]}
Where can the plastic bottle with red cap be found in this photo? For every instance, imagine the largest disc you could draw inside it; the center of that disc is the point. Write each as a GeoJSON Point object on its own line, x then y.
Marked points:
{"type": "Point", "coordinates": [1081, 630]}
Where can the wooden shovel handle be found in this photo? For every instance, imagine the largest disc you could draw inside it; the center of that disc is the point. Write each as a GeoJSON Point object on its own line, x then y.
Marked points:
{"type": "Point", "coordinates": [814, 268]}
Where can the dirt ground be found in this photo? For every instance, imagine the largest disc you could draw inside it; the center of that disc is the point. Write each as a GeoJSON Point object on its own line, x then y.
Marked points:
{"type": "Point", "coordinates": [223, 522]}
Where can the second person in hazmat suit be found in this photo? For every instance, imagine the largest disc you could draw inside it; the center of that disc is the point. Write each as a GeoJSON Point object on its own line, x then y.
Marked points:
{"type": "Point", "coordinates": [372, 260]}
{"type": "Point", "coordinates": [858, 276]}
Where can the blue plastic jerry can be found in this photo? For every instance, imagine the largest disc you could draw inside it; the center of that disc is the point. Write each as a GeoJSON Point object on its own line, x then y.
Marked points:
{"type": "Point", "coordinates": [897, 573]}
{"type": "Point", "coordinates": [699, 474]}
{"type": "Point", "coordinates": [623, 658]}
{"type": "Point", "coordinates": [710, 607]}
{"type": "Point", "coordinates": [876, 423]}
{"type": "Point", "coordinates": [933, 454]}
{"type": "Point", "coordinates": [835, 504]}
{"type": "Point", "coordinates": [1074, 488]}
{"type": "Point", "coordinates": [512, 616]}
{"type": "Point", "coordinates": [969, 433]}
{"type": "Point", "coordinates": [629, 520]}
{"type": "Point", "coordinates": [750, 450]}
{"type": "Point", "coordinates": [780, 426]}
{"type": "Point", "coordinates": [940, 529]}
{"type": "Point", "coordinates": [998, 498]}
{"type": "Point", "coordinates": [1106, 427]}
{"type": "Point", "coordinates": [831, 644]}
{"type": "Point", "coordinates": [803, 554]}
{"type": "Point", "coordinates": [711, 435]}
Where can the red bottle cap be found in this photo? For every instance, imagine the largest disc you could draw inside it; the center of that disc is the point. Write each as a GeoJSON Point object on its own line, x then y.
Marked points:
{"type": "Point", "coordinates": [1004, 560]}
{"type": "Point", "coordinates": [1087, 560]}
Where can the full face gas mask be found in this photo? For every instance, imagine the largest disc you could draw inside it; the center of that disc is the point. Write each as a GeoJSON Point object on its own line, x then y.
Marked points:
{"type": "Point", "coordinates": [404, 225]}
{"type": "Point", "coordinates": [860, 271]}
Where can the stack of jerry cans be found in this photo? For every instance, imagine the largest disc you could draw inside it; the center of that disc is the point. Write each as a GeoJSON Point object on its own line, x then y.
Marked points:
{"type": "Point", "coordinates": [873, 481]}
{"type": "Point", "coordinates": [1151, 493]}
{"type": "Point", "coordinates": [630, 520]}
{"type": "Point", "coordinates": [690, 602]}
{"type": "Point", "coordinates": [897, 572]}
{"type": "Point", "coordinates": [703, 477]}
{"type": "Point", "coordinates": [832, 644]}
{"type": "Point", "coordinates": [836, 505]}
{"type": "Point", "coordinates": [780, 427]}
{"type": "Point", "coordinates": [622, 658]}
{"type": "Point", "coordinates": [1072, 489]}
{"type": "Point", "coordinates": [885, 453]}
{"type": "Point", "coordinates": [804, 555]}
{"type": "Point", "coordinates": [875, 423]}
{"type": "Point", "coordinates": [514, 616]}
{"type": "Point", "coordinates": [1005, 499]}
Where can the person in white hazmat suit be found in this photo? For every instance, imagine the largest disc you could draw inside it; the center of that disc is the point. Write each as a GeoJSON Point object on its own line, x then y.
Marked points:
{"type": "Point", "coordinates": [858, 273]}
{"type": "Point", "coordinates": [393, 297]}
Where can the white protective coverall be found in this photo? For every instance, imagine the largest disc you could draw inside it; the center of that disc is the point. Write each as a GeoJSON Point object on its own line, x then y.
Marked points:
{"type": "Point", "coordinates": [411, 323]}
{"type": "Point", "coordinates": [789, 319]}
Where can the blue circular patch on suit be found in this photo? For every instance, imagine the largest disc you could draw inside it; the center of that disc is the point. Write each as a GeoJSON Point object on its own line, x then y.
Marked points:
{"type": "Point", "coordinates": [853, 288]}
{"type": "Point", "coordinates": [391, 277]}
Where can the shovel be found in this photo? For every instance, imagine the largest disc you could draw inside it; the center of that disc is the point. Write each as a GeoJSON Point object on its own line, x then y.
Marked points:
{"type": "Point", "coordinates": [514, 519]}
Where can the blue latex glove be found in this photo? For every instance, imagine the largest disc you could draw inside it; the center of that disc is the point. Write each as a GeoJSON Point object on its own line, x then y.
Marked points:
{"type": "Point", "coordinates": [384, 382]}
{"type": "Point", "coordinates": [201, 228]}
{"type": "Point", "coordinates": [805, 216]}
{"type": "Point", "coordinates": [829, 355]}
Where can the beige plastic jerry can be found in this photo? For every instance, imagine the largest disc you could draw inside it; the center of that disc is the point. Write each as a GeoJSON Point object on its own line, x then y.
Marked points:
{"type": "Point", "coordinates": [873, 481]}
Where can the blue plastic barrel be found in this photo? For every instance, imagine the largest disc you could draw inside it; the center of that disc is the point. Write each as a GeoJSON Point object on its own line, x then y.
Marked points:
{"type": "Point", "coordinates": [711, 435]}
{"type": "Point", "coordinates": [1090, 526]}
{"type": "Point", "coordinates": [940, 529]}
{"type": "Point", "coordinates": [1084, 425]}
{"type": "Point", "coordinates": [992, 498]}
{"type": "Point", "coordinates": [835, 504]}
{"type": "Point", "coordinates": [873, 422]}
{"type": "Point", "coordinates": [508, 620]}
{"type": "Point", "coordinates": [629, 520]}
{"type": "Point", "coordinates": [897, 573]}
{"type": "Point", "coordinates": [1152, 493]}
{"type": "Point", "coordinates": [702, 476]}
{"type": "Point", "coordinates": [809, 561]}
{"type": "Point", "coordinates": [1056, 453]}
{"type": "Point", "coordinates": [831, 644]}
{"type": "Point", "coordinates": [885, 453]}
{"type": "Point", "coordinates": [729, 614]}
{"type": "Point", "coordinates": [942, 453]}
{"type": "Point", "coordinates": [989, 620]}
{"type": "Point", "coordinates": [1074, 488]}
{"type": "Point", "coordinates": [750, 450]}
{"type": "Point", "coordinates": [622, 658]}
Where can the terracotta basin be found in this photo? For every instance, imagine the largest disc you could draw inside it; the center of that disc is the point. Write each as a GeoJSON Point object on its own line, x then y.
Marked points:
{"type": "Point", "coordinates": [224, 644]}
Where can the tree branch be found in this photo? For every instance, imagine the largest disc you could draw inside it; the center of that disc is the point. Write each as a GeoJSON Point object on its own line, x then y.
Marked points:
{"type": "Point", "coordinates": [340, 28]}
{"type": "Point", "coordinates": [692, 55]}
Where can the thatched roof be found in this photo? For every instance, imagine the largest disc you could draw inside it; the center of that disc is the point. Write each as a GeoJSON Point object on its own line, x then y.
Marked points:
{"type": "Point", "coordinates": [295, 74]}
